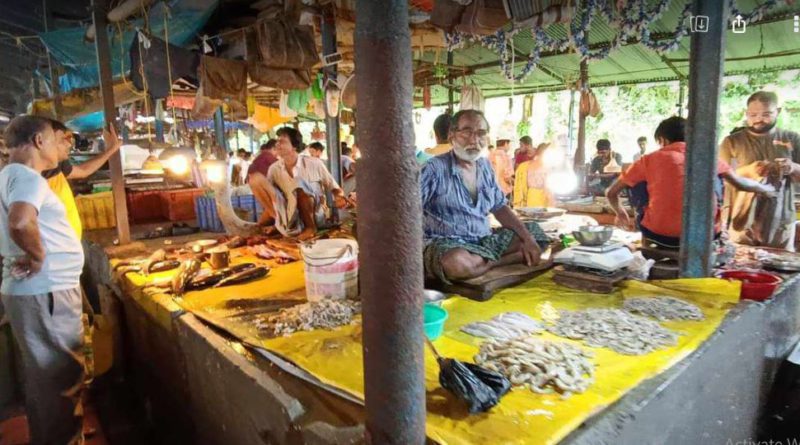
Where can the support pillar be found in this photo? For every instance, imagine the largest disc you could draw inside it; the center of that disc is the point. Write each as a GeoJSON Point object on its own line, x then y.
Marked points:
{"type": "Point", "coordinates": [331, 73]}
{"type": "Point", "coordinates": [389, 227]}
{"type": "Point", "coordinates": [706, 60]}
{"type": "Point", "coordinates": [580, 152]}
{"type": "Point", "coordinates": [219, 133]}
{"type": "Point", "coordinates": [450, 92]}
{"type": "Point", "coordinates": [159, 116]}
{"type": "Point", "coordinates": [99, 11]}
{"type": "Point", "coordinates": [571, 124]}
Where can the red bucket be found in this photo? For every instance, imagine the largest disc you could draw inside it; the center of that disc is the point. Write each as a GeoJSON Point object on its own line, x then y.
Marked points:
{"type": "Point", "coordinates": [756, 286]}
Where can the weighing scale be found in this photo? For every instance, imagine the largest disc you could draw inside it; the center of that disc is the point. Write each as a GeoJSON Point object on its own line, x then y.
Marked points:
{"type": "Point", "coordinates": [603, 260]}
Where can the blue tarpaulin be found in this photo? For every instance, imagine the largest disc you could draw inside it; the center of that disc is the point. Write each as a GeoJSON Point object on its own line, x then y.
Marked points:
{"type": "Point", "coordinates": [185, 18]}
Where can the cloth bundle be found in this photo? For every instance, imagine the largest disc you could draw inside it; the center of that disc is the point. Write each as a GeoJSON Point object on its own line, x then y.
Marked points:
{"type": "Point", "coordinates": [221, 81]}
{"type": "Point", "coordinates": [280, 54]}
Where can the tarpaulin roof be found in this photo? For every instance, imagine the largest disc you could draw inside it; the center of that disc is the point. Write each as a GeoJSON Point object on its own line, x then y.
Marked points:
{"type": "Point", "coordinates": [184, 19]}
{"type": "Point", "coordinates": [769, 44]}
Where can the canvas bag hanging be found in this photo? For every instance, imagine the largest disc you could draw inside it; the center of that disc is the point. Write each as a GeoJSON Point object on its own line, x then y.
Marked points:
{"type": "Point", "coordinates": [447, 14]}
{"type": "Point", "coordinates": [483, 17]}
{"type": "Point", "coordinates": [278, 78]}
{"type": "Point", "coordinates": [471, 98]}
{"type": "Point", "coordinates": [283, 44]}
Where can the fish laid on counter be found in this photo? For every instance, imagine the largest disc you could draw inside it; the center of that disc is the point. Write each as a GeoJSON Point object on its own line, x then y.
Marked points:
{"type": "Point", "coordinates": [616, 329]}
{"type": "Point", "coordinates": [154, 258]}
{"type": "Point", "coordinates": [244, 276]}
{"type": "Point", "coordinates": [323, 314]}
{"type": "Point", "coordinates": [187, 271]}
{"type": "Point", "coordinates": [542, 366]}
{"type": "Point", "coordinates": [203, 281]}
{"type": "Point", "coordinates": [664, 308]}
{"type": "Point", "coordinates": [504, 326]}
{"type": "Point", "coordinates": [264, 252]}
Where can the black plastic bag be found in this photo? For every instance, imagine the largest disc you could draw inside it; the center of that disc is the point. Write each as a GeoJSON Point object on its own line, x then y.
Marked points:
{"type": "Point", "coordinates": [457, 378]}
{"type": "Point", "coordinates": [499, 384]}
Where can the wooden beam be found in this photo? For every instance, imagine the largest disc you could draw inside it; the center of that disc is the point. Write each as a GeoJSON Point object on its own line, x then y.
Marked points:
{"type": "Point", "coordinates": [99, 10]}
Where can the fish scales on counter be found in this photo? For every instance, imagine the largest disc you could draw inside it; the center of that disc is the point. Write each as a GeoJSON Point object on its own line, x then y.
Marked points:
{"type": "Point", "coordinates": [616, 329]}
{"type": "Point", "coordinates": [504, 326]}
{"type": "Point", "coordinates": [664, 308]}
{"type": "Point", "coordinates": [542, 366]}
{"type": "Point", "coordinates": [323, 314]}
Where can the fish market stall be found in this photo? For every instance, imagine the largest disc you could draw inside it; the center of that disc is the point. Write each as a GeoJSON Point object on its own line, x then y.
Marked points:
{"type": "Point", "coordinates": [260, 359]}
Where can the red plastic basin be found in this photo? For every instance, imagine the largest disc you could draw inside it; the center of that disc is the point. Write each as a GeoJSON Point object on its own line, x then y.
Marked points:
{"type": "Point", "coordinates": [756, 286]}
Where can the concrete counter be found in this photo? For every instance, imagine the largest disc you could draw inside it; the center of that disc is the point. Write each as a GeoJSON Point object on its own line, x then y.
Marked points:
{"type": "Point", "coordinates": [209, 389]}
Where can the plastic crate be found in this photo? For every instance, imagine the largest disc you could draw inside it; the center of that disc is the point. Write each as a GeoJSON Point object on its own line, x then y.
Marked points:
{"type": "Point", "coordinates": [144, 206]}
{"type": "Point", "coordinates": [96, 210]}
{"type": "Point", "coordinates": [208, 218]}
{"type": "Point", "coordinates": [178, 205]}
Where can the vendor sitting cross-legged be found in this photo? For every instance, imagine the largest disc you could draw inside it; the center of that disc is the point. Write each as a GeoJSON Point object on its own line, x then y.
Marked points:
{"type": "Point", "coordinates": [657, 183]}
{"type": "Point", "coordinates": [297, 188]}
{"type": "Point", "coordinates": [459, 190]}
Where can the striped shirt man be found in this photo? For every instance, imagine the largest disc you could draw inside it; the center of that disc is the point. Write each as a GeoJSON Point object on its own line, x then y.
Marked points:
{"type": "Point", "coordinates": [448, 208]}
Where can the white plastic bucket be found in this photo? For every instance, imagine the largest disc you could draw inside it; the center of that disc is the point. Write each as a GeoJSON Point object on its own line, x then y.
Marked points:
{"type": "Point", "coordinates": [331, 269]}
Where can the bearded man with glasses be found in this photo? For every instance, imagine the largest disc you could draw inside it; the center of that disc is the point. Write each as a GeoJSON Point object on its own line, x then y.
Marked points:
{"type": "Point", "coordinates": [763, 152]}
{"type": "Point", "coordinates": [459, 190]}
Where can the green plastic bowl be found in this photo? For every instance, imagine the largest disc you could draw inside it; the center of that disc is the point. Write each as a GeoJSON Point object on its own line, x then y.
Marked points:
{"type": "Point", "coordinates": [434, 321]}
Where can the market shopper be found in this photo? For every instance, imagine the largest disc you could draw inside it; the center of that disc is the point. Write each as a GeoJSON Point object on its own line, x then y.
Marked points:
{"type": "Point", "coordinates": [459, 191]}
{"type": "Point", "coordinates": [315, 149]}
{"type": "Point", "coordinates": [57, 177]}
{"type": "Point", "coordinates": [604, 168]}
{"type": "Point", "coordinates": [642, 143]}
{"type": "Point", "coordinates": [501, 164]}
{"type": "Point", "coordinates": [42, 262]}
{"type": "Point", "coordinates": [298, 186]}
{"type": "Point", "coordinates": [530, 188]}
{"type": "Point", "coordinates": [257, 179]}
{"type": "Point", "coordinates": [441, 131]}
{"type": "Point", "coordinates": [763, 151]}
{"type": "Point", "coordinates": [657, 181]}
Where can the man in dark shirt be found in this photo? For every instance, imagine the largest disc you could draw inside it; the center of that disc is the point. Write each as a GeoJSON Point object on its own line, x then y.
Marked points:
{"type": "Point", "coordinates": [257, 178]}
{"type": "Point", "coordinates": [600, 179]}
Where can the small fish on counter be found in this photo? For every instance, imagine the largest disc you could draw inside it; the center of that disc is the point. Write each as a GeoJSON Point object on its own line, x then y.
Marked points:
{"type": "Point", "coordinates": [505, 326]}
{"type": "Point", "coordinates": [323, 314]}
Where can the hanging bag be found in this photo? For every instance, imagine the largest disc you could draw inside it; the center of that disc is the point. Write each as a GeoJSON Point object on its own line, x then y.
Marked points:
{"type": "Point", "coordinates": [483, 17]}
{"type": "Point", "coordinates": [447, 14]}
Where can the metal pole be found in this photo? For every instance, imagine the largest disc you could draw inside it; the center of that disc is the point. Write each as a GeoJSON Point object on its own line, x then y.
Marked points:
{"type": "Point", "coordinates": [219, 131]}
{"type": "Point", "coordinates": [571, 124]}
{"type": "Point", "coordinates": [450, 92]}
{"type": "Point", "coordinates": [580, 152]}
{"type": "Point", "coordinates": [159, 116]}
{"type": "Point", "coordinates": [330, 72]}
{"type": "Point", "coordinates": [681, 97]}
{"type": "Point", "coordinates": [252, 142]}
{"type": "Point", "coordinates": [55, 87]}
{"type": "Point", "coordinates": [389, 227]}
{"type": "Point", "coordinates": [705, 81]}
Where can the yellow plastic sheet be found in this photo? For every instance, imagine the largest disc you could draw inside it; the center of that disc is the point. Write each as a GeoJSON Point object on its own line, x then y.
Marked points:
{"type": "Point", "coordinates": [522, 417]}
